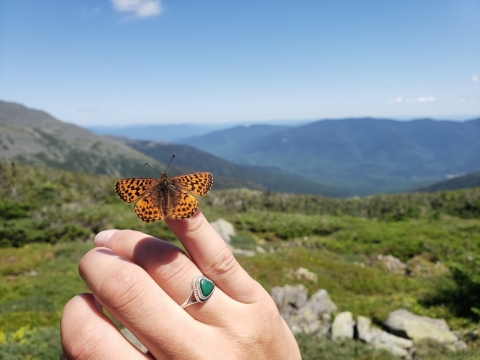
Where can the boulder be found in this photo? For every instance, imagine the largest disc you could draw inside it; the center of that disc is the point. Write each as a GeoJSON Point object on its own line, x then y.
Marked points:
{"type": "Point", "coordinates": [289, 299]}
{"type": "Point", "coordinates": [302, 274]}
{"type": "Point", "coordinates": [391, 264]}
{"type": "Point", "coordinates": [224, 229]}
{"type": "Point", "coordinates": [310, 316]}
{"type": "Point", "coordinates": [320, 303]}
{"type": "Point", "coordinates": [342, 326]}
{"type": "Point", "coordinates": [382, 340]}
{"type": "Point", "coordinates": [405, 324]}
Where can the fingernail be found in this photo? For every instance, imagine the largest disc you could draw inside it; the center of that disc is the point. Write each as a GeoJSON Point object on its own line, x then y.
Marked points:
{"type": "Point", "coordinates": [103, 236]}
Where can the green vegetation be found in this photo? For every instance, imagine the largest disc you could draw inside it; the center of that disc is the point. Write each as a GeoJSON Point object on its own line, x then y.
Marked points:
{"type": "Point", "coordinates": [48, 218]}
{"type": "Point", "coordinates": [361, 155]}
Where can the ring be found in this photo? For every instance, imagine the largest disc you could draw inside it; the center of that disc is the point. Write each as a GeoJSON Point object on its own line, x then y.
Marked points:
{"type": "Point", "coordinates": [202, 289]}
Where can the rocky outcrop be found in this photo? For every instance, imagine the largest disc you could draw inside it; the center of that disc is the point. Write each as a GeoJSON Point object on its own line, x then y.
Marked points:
{"type": "Point", "coordinates": [406, 324]}
{"type": "Point", "coordinates": [381, 339]}
{"type": "Point", "coordinates": [302, 315]}
{"type": "Point", "coordinates": [313, 316]}
{"type": "Point", "coordinates": [391, 264]}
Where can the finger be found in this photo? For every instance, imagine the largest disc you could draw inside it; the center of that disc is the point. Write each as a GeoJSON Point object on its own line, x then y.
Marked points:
{"type": "Point", "coordinates": [168, 265]}
{"type": "Point", "coordinates": [213, 257]}
{"type": "Point", "coordinates": [88, 334]}
{"type": "Point", "coordinates": [135, 300]}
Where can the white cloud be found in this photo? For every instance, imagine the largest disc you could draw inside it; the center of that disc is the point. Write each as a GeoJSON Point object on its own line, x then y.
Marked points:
{"type": "Point", "coordinates": [475, 78]}
{"type": "Point", "coordinates": [398, 99]}
{"type": "Point", "coordinates": [426, 99]}
{"type": "Point", "coordinates": [139, 8]}
{"type": "Point", "coordinates": [422, 99]}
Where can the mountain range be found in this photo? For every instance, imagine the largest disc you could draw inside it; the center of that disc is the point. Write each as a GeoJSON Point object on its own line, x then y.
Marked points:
{"type": "Point", "coordinates": [166, 133]}
{"type": "Point", "coordinates": [256, 177]}
{"type": "Point", "coordinates": [331, 157]}
{"type": "Point", "coordinates": [363, 155]}
{"type": "Point", "coordinates": [32, 136]}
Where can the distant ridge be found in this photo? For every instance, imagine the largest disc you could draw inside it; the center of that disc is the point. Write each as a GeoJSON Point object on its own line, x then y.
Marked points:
{"type": "Point", "coordinates": [365, 155]}
{"type": "Point", "coordinates": [31, 136]}
{"type": "Point", "coordinates": [258, 177]}
{"type": "Point", "coordinates": [459, 182]}
{"type": "Point", "coordinates": [34, 137]}
{"type": "Point", "coordinates": [170, 133]}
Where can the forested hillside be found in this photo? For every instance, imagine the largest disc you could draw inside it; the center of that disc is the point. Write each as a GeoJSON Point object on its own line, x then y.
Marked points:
{"type": "Point", "coordinates": [363, 155]}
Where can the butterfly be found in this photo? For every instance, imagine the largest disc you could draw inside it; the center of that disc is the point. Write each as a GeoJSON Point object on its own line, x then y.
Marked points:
{"type": "Point", "coordinates": [163, 198]}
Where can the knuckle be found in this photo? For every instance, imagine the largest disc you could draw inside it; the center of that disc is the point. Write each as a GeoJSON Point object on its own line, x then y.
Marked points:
{"type": "Point", "coordinates": [88, 338]}
{"type": "Point", "coordinates": [122, 286]}
{"type": "Point", "coordinates": [171, 271]}
{"type": "Point", "coordinates": [223, 264]}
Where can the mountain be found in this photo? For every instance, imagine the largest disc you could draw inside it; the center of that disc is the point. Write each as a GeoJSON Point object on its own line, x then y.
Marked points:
{"type": "Point", "coordinates": [458, 182]}
{"type": "Point", "coordinates": [258, 177]}
{"type": "Point", "coordinates": [170, 132]}
{"type": "Point", "coordinates": [366, 155]}
{"type": "Point", "coordinates": [31, 136]}
{"type": "Point", "coordinates": [232, 142]}
{"type": "Point", "coordinates": [34, 137]}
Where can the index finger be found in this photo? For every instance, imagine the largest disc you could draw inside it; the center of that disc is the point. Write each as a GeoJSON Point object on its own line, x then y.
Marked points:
{"type": "Point", "coordinates": [213, 257]}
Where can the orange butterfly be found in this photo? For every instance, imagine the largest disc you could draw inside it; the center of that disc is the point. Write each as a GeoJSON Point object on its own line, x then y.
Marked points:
{"type": "Point", "coordinates": [163, 198]}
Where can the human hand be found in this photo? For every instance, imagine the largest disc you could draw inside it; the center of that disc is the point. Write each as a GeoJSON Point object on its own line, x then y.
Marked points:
{"type": "Point", "coordinates": [142, 280]}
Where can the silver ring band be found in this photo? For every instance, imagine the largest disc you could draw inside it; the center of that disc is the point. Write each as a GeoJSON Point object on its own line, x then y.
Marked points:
{"type": "Point", "coordinates": [202, 289]}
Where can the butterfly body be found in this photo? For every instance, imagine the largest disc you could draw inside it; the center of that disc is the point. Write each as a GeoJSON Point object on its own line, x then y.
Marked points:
{"type": "Point", "coordinates": [162, 198]}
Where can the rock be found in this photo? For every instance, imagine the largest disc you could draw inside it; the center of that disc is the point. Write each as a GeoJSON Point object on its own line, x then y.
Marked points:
{"type": "Point", "coordinates": [320, 303]}
{"type": "Point", "coordinates": [419, 266]}
{"type": "Point", "coordinates": [260, 249]}
{"type": "Point", "coordinates": [310, 316]}
{"type": "Point", "coordinates": [391, 264]}
{"type": "Point", "coordinates": [302, 274]}
{"type": "Point", "coordinates": [289, 299]}
{"type": "Point", "coordinates": [224, 229]}
{"type": "Point", "coordinates": [405, 324]}
{"type": "Point", "coordinates": [458, 345]}
{"type": "Point", "coordinates": [130, 337]}
{"type": "Point", "coordinates": [383, 340]}
{"type": "Point", "coordinates": [342, 326]}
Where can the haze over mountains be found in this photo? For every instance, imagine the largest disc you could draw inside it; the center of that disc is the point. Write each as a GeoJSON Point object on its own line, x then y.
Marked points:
{"type": "Point", "coordinates": [256, 177]}
{"type": "Point", "coordinates": [331, 157]}
{"type": "Point", "coordinates": [34, 137]}
{"type": "Point", "coordinates": [364, 155]}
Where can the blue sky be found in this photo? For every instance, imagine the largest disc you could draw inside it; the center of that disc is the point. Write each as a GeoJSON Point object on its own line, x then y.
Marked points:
{"type": "Point", "coordinates": [118, 62]}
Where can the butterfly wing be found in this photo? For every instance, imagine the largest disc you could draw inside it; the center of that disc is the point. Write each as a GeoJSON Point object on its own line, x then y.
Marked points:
{"type": "Point", "coordinates": [130, 190]}
{"type": "Point", "coordinates": [198, 183]}
{"type": "Point", "coordinates": [182, 206]}
{"type": "Point", "coordinates": [147, 209]}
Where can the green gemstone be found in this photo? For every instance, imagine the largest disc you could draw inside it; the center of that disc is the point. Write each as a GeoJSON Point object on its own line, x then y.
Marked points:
{"type": "Point", "coordinates": [206, 287]}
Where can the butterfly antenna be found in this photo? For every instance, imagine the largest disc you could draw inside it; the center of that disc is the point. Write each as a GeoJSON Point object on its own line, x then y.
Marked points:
{"type": "Point", "coordinates": [169, 163]}
{"type": "Point", "coordinates": [147, 164]}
